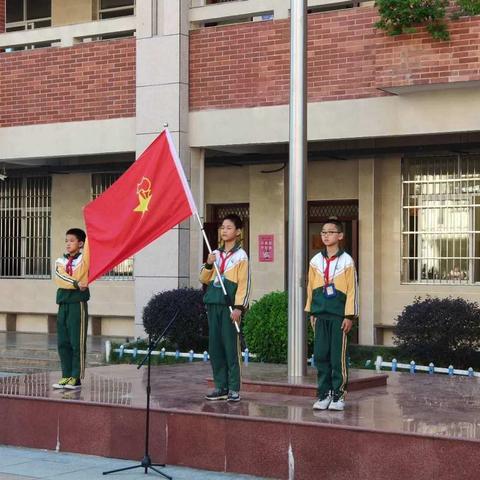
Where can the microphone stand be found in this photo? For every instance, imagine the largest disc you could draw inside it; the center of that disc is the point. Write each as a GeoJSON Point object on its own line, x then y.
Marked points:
{"type": "Point", "coordinates": [146, 462]}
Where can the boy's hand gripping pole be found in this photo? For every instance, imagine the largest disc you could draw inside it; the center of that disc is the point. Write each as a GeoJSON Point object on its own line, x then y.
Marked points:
{"type": "Point", "coordinates": [217, 271]}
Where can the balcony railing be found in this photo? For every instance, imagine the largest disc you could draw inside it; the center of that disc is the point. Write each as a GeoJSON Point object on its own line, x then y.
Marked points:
{"type": "Point", "coordinates": [68, 35]}
{"type": "Point", "coordinates": [208, 12]}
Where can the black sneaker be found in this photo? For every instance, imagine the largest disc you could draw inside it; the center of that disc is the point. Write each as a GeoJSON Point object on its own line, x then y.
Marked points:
{"type": "Point", "coordinates": [217, 395]}
{"type": "Point", "coordinates": [233, 396]}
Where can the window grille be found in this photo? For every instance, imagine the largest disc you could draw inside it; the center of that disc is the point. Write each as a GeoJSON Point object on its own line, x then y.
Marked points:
{"type": "Point", "coordinates": [441, 219]}
{"type": "Point", "coordinates": [100, 183]}
{"type": "Point", "coordinates": [325, 210]}
{"type": "Point", "coordinates": [25, 225]}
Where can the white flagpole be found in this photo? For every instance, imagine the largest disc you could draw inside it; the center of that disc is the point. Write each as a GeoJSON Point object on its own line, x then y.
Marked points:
{"type": "Point", "coordinates": [191, 200]}
{"type": "Point", "coordinates": [215, 266]}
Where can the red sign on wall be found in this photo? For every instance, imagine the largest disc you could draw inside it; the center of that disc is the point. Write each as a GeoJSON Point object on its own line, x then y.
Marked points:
{"type": "Point", "coordinates": [265, 248]}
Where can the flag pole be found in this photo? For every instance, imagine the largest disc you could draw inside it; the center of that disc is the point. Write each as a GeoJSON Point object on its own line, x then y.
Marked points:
{"type": "Point", "coordinates": [215, 266]}
{"type": "Point", "coordinates": [197, 216]}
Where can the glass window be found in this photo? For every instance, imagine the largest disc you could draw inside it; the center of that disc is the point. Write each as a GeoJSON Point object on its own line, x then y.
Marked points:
{"type": "Point", "coordinates": [441, 219]}
{"type": "Point", "coordinates": [25, 223]}
{"type": "Point", "coordinates": [27, 14]}
{"type": "Point", "coordinates": [116, 8]}
{"type": "Point", "coordinates": [116, 3]}
{"type": "Point", "coordinates": [15, 11]}
{"type": "Point", "coordinates": [38, 9]}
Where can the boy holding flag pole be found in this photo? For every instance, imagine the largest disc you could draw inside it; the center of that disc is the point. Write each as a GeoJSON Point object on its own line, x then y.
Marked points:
{"type": "Point", "coordinates": [149, 199]}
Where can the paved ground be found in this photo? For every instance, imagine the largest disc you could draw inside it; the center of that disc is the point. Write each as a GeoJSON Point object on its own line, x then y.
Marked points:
{"type": "Point", "coordinates": [24, 463]}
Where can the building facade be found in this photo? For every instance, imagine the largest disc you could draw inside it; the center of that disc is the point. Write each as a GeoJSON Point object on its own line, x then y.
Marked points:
{"type": "Point", "coordinates": [393, 138]}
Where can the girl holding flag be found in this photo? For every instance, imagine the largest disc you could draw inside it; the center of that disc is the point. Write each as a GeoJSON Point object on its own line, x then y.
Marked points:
{"type": "Point", "coordinates": [224, 348]}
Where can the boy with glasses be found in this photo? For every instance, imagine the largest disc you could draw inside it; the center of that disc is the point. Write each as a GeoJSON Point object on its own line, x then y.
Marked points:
{"type": "Point", "coordinates": [332, 302]}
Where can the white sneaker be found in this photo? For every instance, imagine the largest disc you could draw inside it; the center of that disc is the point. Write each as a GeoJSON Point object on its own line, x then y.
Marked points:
{"type": "Point", "coordinates": [323, 404]}
{"type": "Point", "coordinates": [338, 405]}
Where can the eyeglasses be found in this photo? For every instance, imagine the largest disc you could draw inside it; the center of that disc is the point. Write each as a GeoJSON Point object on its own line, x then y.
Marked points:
{"type": "Point", "coordinates": [329, 232]}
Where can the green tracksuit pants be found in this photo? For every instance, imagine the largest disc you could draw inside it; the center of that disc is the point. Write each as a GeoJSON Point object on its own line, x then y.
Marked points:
{"type": "Point", "coordinates": [330, 355]}
{"type": "Point", "coordinates": [72, 324]}
{"type": "Point", "coordinates": [223, 348]}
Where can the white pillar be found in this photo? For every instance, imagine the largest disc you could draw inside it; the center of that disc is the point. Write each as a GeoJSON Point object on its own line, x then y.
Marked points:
{"type": "Point", "coordinates": [369, 222]}
{"type": "Point", "coordinates": [197, 183]}
{"type": "Point", "coordinates": [162, 97]}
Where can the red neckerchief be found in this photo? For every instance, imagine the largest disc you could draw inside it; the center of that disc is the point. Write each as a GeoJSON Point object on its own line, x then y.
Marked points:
{"type": "Point", "coordinates": [69, 266]}
{"type": "Point", "coordinates": [326, 272]}
{"type": "Point", "coordinates": [224, 259]}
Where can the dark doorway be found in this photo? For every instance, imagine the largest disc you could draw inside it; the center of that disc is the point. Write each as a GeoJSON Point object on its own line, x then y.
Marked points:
{"type": "Point", "coordinates": [215, 214]}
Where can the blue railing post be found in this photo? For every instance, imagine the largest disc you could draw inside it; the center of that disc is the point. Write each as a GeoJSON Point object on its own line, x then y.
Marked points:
{"type": "Point", "coordinates": [177, 354]}
{"type": "Point", "coordinates": [394, 365]}
{"type": "Point", "coordinates": [162, 353]}
{"type": "Point", "coordinates": [431, 368]}
{"type": "Point", "coordinates": [205, 356]}
{"type": "Point", "coordinates": [245, 356]}
{"type": "Point", "coordinates": [470, 372]}
{"type": "Point", "coordinates": [135, 352]}
{"type": "Point", "coordinates": [122, 348]}
{"type": "Point", "coordinates": [450, 370]}
{"type": "Point", "coordinates": [378, 363]}
{"type": "Point", "coordinates": [312, 360]}
{"type": "Point", "coordinates": [190, 356]}
{"type": "Point", "coordinates": [412, 367]}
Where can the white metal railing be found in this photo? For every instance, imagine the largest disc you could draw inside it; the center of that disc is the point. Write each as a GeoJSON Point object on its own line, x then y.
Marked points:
{"type": "Point", "coordinates": [68, 35]}
{"type": "Point", "coordinates": [202, 12]}
{"type": "Point", "coordinates": [412, 367]}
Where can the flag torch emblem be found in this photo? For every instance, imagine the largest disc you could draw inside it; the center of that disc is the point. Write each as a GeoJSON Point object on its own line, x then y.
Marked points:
{"type": "Point", "coordinates": [144, 192]}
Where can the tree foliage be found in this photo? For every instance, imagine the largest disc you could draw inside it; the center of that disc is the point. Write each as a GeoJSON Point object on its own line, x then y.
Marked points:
{"type": "Point", "coordinates": [404, 16]}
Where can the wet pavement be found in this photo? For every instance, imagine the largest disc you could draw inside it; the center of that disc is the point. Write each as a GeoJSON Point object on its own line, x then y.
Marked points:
{"type": "Point", "coordinates": [423, 404]}
{"type": "Point", "coordinates": [26, 463]}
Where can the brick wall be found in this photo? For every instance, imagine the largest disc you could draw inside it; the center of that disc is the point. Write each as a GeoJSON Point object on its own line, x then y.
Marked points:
{"type": "Point", "coordinates": [2, 15]}
{"type": "Point", "coordinates": [247, 65]}
{"type": "Point", "coordinates": [85, 82]}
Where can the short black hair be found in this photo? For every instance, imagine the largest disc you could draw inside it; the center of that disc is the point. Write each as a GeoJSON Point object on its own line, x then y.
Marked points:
{"type": "Point", "coordinates": [78, 232]}
{"type": "Point", "coordinates": [338, 225]}
{"type": "Point", "coordinates": [235, 219]}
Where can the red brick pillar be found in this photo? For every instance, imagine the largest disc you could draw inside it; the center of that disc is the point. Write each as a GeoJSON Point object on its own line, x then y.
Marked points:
{"type": "Point", "coordinates": [2, 15]}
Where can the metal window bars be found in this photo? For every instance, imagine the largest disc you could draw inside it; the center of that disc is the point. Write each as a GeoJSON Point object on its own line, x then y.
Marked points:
{"type": "Point", "coordinates": [441, 219]}
{"type": "Point", "coordinates": [100, 183]}
{"type": "Point", "coordinates": [25, 225]}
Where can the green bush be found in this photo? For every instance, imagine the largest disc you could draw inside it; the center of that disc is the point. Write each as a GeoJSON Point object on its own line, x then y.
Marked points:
{"type": "Point", "coordinates": [190, 329]}
{"type": "Point", "coordinates": [443, 331]}
{"type": "Point", "coordinates": [266, 328]}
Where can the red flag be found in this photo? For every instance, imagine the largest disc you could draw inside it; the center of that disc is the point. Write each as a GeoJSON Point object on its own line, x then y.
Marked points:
{"type": "Point", "coordinates": [149, 199]}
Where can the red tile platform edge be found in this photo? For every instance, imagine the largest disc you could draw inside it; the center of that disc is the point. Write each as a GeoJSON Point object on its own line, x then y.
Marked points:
{"type": "Point", "coordinates": [379, 380]}
{"type": "Point", "coordinates": [235, 444]}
